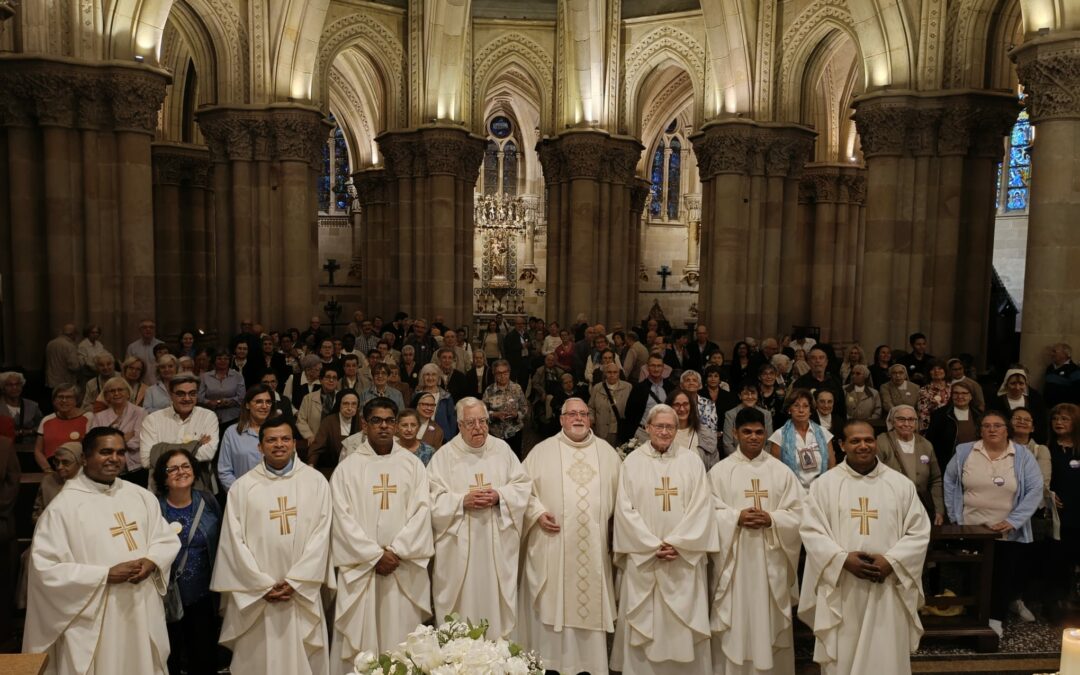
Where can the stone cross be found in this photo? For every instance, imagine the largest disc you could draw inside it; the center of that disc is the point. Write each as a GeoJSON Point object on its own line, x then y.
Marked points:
{"type": "Point", "coordinates": [385, 489]}
{"type": "Point", "coordinates": [756, 493]}
{"type": "Point", "coordinates": [283, 514]}
{"type": "Point", "coordinates": [865, 515]}
{"type": "Point", "coordinates": [331, 266]}
{"type": "Point", "coordinates": [664, 272]}
{"type": "Point", "coordinates": [667, 492]}
{"type": "Point", "coordinates": [124, 529]}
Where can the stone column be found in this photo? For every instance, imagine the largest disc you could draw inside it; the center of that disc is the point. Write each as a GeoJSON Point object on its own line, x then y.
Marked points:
{"type": "Point", "coordinates": [1049, 68]}
{"type": "Point", "coordinates": [266, 237]}
{"type": "Point", "coordinates": [594, 225]}
{"type": "Point", "coordinates": [183, 209]}
{"type": "Point", "coordinates": [432, 172]}
{"type": "Point", "coordinates": [930, 160]}
{"type": "Point", "coordinates": [76, 219]}
{"type": "Point", "coordinates": [372, 187]}
{"type": "Point", "coordinates": [749, 184]}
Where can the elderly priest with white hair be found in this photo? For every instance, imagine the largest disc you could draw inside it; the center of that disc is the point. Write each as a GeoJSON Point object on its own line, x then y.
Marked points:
{"type": "Point", "coordinates": [664, 532]}
{"type": "Point", "coordinates": [567, 595]}
{"type": "Point", "coordinates": [99, 566]}
{"type": "Point", "coordinates": [479, 493]}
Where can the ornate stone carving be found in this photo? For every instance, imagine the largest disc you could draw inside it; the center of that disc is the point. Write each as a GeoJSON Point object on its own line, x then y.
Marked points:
{"type": "Point", "coordinates": [856, 187]}
{"type": "Point", "coordinates": [176, 164]}
{"type": "Point", "coordinates": [299, 135]}
{"type": "Point", "coordinates": [384, 47]}
{"type": "Point", "coordinates": [371, 187]}
{"type": "Point", "coordinates": [750, 149]}
{"type": "Point", "coordinates": [720, 150]}
{"type": "Point", "coordinates": [509, 48]}
{"type": "Point", "coordinates": [639, 192]}
{"type": "Point", "coordinates": [882, 128]}
{"type": "Point", "coordinates": [641, 57]}
{"type": "Point", "coordinates": [1050, 73]}
{"type": "Point", "coordinates": [825, 185]}
{"type": "Point", "coordinates": [432, 150]}
{"type": "Point", "coordinates": [922, 131]}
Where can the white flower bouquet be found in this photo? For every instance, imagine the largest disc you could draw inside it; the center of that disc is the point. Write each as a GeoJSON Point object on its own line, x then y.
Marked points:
{"type": "Point", "coordinates": [628, 447]}
{"type": "Point", "coordinates": [455, 648]}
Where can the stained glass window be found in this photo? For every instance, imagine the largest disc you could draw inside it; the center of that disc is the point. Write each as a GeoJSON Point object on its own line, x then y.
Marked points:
{"type": "Point", "coordinates": [341, 170]}
{"type": "Point", "coordinates": [673, 175]}
{"type": "Point", "coordinates": [657, 190]}
{"type": "Point", "coordinates": [510, 162]}
{"type": "Point", "coordinates": [1019, 177]}
{"type": "Point", "coordinates": [500, 127]}
{"type": "Point", "coordinates": [324, 181]}
{"type": "Point", "coordinates": [491, 168]}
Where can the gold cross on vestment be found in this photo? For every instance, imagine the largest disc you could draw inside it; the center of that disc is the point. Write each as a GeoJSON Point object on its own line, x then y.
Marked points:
{"type": "Point", "coordinates": [667, 492]}
{"type": "Point", "coordinates": [864, 514]}
{"type": "Point", "coordinates": [480, 484]}
{"type": "Point", "coordinates": [282, 515]}
{"type": "Point", "coordinates": [756, 493]}
{"type": "Point", "coordinates": [385, 489]}
{"type": "Point", "coordinates": [124, 528]}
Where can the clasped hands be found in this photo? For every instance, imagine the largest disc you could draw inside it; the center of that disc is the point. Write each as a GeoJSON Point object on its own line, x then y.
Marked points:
{"type": "Point", "coordinates": [754, 519]}
{"type": "Point", "coordinates": [484, 498]}
{"type": "Point", "coordinates": [666, 552]}
{"type": "Point", "coordinates": [281, 592]}
{"type": "Point", "coordinates": [387, 563]}
{"type": "Point", "coordinates": [863, 565]}
{"type": "Point", "coordinates": [132, 571]}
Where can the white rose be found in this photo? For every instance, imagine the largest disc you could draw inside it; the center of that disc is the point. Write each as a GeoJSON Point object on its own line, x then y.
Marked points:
{"type": "Point", "coordinates": [517, 666]}
{"type": "Point", "coordinates": [364, 661]}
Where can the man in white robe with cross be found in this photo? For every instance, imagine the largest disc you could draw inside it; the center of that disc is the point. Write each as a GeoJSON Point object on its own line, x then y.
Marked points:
{"type": "Point", "coordinates": [273, 561]}
{"type": "Point", "coordinates": [99, 566]}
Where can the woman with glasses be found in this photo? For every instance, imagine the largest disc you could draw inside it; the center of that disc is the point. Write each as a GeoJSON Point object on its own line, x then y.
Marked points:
{"type": "Point", "coordinates": [132, 370]}
{"type": "Point", "coordinates": [996, 483]}
{"type": "Point", "coordinates": [430, 432]}
{"type": "Point", "coordinates": [904, 450]}
{"type": "Point", "coordinates": [801, 444]}
{"type": "Point", "coordinates": [127, 417]}
{"type": "Point", "coordinates": [445, 417]}
{"type": "Point", "coordinates": [955, 423]}
{"type": "Point", "coordinates": [691, 433]}
{"type": "Point", "coordinates": [239, 451]}
{"type": "Point", "coordinates": [506, 406]}
{"type": "Point", "coordinates": [68, 423]}
{"type": "Point", "coordinates": [196, 519]}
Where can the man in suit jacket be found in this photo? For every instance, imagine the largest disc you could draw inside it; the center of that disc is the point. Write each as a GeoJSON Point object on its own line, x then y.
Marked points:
{"type": "Point", "coordinates": [644, 395]}
{"type": "Point", "coordinates": [453, 380]}
{"type": "Point", "coordinates": [677, 356]}
{"type": "Point", "coordinates": [701, 348]}
{"type": "Point", "coordinates": [516, 349]}
{"type": "Point", "coordinates": [479, 376]}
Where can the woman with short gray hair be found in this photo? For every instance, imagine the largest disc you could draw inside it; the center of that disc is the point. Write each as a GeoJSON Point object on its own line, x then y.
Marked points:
{"type": "Point", "coordinates": [24, 413]}
{"type": "Point", "coordinates": [863, 401]}
{"type": "Point", "coordinates": [903, 449]}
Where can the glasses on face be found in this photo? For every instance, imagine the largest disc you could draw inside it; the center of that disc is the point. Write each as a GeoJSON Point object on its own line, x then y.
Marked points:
{"type": "Point", "coordinates": [683, 404]}
{"type": "Point", "coordinates": [579, 414]}
{"type": "Point", "coordinates": [378, 421]}
{"type": "Point", "coordinates": [178, 468]}
{"type": "Point", "coordinates": [1022, 420]}
{"type": "Point", "coordinates": [185, 395]}
{"type": "Point", "coordinates": [664, 428]}
{"type": "Point", "coordinates": [909, 420]}
{"type": "Point", "coordinates": [475, 423]}
{"type": "Point", "coordinates": [64, 397]}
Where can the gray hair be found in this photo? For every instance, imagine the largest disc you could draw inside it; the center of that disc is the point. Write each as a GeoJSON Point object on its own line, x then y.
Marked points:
{"type": "Point", "coordinates": [689, 374]}
{"type": "Point", "coordinates": [182, 378]}
{"type": "Point", "coordinates": [659, 409]}
{"type": "Point", "coordinates": [64, 387]}
{"type": "Point", "coordinates": [166, 359]}
{"type": "Point", "coordinates": [890, 419]}
{"type": "Point", "coordinates": [4, 377]}
{"type": "Point", "coordinates": [499, 363]}
{"type": "Point", "coordinates": [782, 362]}
{"type": "Point", "coordinates": [114, 381]}
{"type": "Point", "coordinates": [468, 402]}
{"type": "Point", "coordinates": [429, 368]}
{"type": "Point", "coordinates": [310, 361]}
{"type": "Point", "coordinates": [103, 357]}
{"type": "Point", "coordinates": [562, 409]}
{"type": "Point", "coordinates": [860, 368]}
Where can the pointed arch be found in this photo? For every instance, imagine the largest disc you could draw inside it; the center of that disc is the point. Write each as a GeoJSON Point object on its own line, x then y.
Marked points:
{"type": "Point", "coordinates": [514, 50]}
{"type": "Point", "coordinates": [826, 23]}
{"type": "Point", "coordinates": [730, 57]}
{"type": "Point", "coordinates": [657, 49]}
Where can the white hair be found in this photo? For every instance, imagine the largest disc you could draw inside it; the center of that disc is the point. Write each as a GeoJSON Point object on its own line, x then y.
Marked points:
{"type": "Point", "coordinates": [4, 377]}
{"type": "Point", "coordinates": [468, 402]}
{"type": "Point", "coordinates": [562, 409]}
{"type": "Point", "coordinates": [889, 419]}
{"type": "Point", "coordinates": [658, 409]}
{"type": "Point", "coordinates": [687, 374]}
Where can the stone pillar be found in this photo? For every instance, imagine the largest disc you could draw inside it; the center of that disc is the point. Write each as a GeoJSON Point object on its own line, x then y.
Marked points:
{"type": "Point", "coordinates": [76, 219]}
{"type": "Point", "coordinates": [749, 184]}
{"type": "Point", "coordinates": [594, 225]}
{"type": "Point", "coordinates": [376, 242]}
{"type": "Point", "coordinates": [183, 209]}
{"type": "Point", "coordinates": [432, 171]}
{"type": "Point", "coordinates": [930, 162]}
{"type": "Point", "coordinates": [1049, 68]}
{"type": "Point", "coordinates": [266, 240]}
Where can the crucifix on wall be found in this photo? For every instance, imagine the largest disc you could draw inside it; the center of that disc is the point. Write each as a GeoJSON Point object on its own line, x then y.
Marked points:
{"type": "Point", "coordinates": [331, 266]}
{"type": "Point", "coordinates": [664, 272]}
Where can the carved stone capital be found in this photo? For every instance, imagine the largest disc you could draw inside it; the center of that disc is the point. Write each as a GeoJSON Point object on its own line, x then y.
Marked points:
{"type": "Point", "coordinates": [435, 150]}
{"type": "Point", "coordinates": [589, 154]}
{"type": "Point", "coordinates": [181, 164]}
{"type": "Point", "coordinates": [882, 127]}
{"type": "Point", "coordinates": [639, 193]}
{"type": "Point", "coordinates": [371, 187]}
{"type": "Point", "coordinates": [749, 148]}
{"type": "Point", "coordinates": [289, 133]}
{"type": "Point", "coordinates": [822, 184]}
{"type": "Point", "coordinates": [1049, 68]}
{"type": "Point", "coordinates": [298, 134]}
{"type": "Point", "coordinates": [855, 186]}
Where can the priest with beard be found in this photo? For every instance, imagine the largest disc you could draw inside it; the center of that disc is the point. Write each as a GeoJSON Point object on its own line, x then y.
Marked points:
{"type": "Point", "coordinates": [99, 566]}
{"type": "Point", "coordinates": [866, 534]}
{"type": "Point", "coordinates": [664, 532]}
{"type": "Point", "coordinates": [273, 560]}
{"type": "Point", "coordinates": [381, 543]}
{"type": "Point", "coordinates": [758, 503]}
{"type": "Point", "coordinates": [567, 596]}
{"type": "Point", "coordinates": [479, 493]}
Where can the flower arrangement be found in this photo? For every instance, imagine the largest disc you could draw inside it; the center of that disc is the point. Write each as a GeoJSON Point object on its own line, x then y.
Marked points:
{"type": "Point", "coordinates": [455, 648]}
{"type": "Point", "coordinates": [628, 447]}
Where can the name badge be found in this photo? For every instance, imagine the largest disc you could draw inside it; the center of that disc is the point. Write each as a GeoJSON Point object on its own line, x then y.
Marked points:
{"type": "Point", "coordinates": [999, 481]}
{"type": "Point", "coordinates": [74, 435]}
{"type": "Point", "coordinates": [176, 527]}
{"type": "Point", "coordinates": [924, 459]}
{"type": "Point", "coordinates": [1074, 463]}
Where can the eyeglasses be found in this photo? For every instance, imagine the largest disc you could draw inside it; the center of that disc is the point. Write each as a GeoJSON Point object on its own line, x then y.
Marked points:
{"type": "Point", "coordinates": [172, 470]}
{"type": "Point", "coordinates": [64, 397]}
{"type": "Point", "coordinates": [685, 404]}
{"type": "Point", "coordinates": [582, 414]}
{"type": "Point", "coordinates": [376, 421]}
{"type": "Point", "coordinates": [905, 419]}
{"type": "Point", "coordinates": [475, 423]}
{"type": "Point", "coordinates": [664, 428]}
{"type": "Point", "coordinates": [185, 394]}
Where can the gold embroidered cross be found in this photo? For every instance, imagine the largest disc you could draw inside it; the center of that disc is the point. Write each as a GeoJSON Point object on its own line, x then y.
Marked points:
{"type": "Point", "coordinates": [864, 514]}
{"type": "Point", "coordinates": [124, 528]}
{"type": "Point", "coordinates": [283, 513]}
{"type": "Point", "coordinates": [480, 484]}
{"type": "Point", "coordinates": [756, 493]}
{"type": "Point", "coordinates": [667, 492]}
{"type": "Point", "coordinates": [385, 489]}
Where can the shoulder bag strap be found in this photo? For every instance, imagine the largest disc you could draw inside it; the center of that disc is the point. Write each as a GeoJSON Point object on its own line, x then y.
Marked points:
{"type": "Point", "coordinates": [191, 535]}
{"type": "Point", "coordinates": [611, 400]}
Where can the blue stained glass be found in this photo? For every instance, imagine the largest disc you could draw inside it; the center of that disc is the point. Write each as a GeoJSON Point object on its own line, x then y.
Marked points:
{"type": "Point", "coordinates": [500, 127]}
{"type": "Point", "coordinates": [673, 179]}
{"type": "Point", "coordinates": [671, 127]}
{"type": "Point", "coordinates": [324, 181]}
{"type": "Point", "coordinates": [1019, 181]}
{"type": "Point", "coordinates": [491, 168]}
{"type": "Point", "coordinates": [510, 162]}
{"type": "Point", "coordinates": [656, 191]}
{"type": "Point", "coordinates": [341, 170]}
{"type": "Point", "coordinates": [1017, 200]}
{"type": "Point", "coordinates": [997, 186]}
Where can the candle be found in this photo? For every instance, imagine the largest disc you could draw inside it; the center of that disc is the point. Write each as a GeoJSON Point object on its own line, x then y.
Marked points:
{"type": "Point", "coordinates": [1070, 652]}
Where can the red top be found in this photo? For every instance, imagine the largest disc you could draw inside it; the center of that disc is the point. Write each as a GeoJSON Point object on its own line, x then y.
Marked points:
{"type": "Point", "coordinates": [7, 427]}
{"type": "Point", "coordinates": [57, 431]}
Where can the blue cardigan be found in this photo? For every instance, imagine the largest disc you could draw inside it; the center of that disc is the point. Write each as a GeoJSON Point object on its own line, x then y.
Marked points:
{"type": "Point", "coordinates": [1029, 490]}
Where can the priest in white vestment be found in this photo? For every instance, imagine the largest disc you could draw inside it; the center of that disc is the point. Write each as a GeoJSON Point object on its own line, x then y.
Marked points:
{"type": "Point", "coordinates": [866, 534]}
{"type": "Point", "coordinates": [381, 542]}
{"type": "Point", "coordinates": [664, 532]}
{"type": "Point", "coordinates": [758, 502]}
{"type": "Point", "coordinates": [99, 566]}
{"type": "Point", "coordinates": [479, 493]}
{"type": "Point", "coordinates": [273, 560]}
{"type": "Point", "coordinates": [567, 594]}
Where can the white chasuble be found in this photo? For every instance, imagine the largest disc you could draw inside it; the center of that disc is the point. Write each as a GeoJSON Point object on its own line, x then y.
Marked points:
{"type": "Point", "coordinates": [567, 594]}
{"type": "Point", "coordinates": [380, 502]}
{"type": "Point", "coordinates": [755, 574]}
{"type": "Point", "coordinates": [475, 570]}
{"type": "Point", "coordinates": [277, 528]}
{"type": "Point", "coordinates": [86, 625]}
{"type": "Point", "coordinates": [663, 619]}
{"type": "Point", "coordinates": [862, 626]}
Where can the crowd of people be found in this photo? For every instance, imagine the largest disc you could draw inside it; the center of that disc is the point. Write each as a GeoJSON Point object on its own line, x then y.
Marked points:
{"type": "Point", "coordinates": [407, 466]}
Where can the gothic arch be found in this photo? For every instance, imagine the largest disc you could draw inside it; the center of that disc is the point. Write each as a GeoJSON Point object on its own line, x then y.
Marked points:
{"type": "Point", "coordinates": [658, 47]}
{"type": "Point", "coordinates": [979, 32]}
{"type": "Point", "coordinates": [135, 28]}
{"type": "Point", "coordinates": [382, 48]}
{"type": "Point", "coordinates": [820, 23]}
{"type": "Point", "coordinates": [730, 63]}
{"type": "Point", "coordinates": [513, 50]}
{"type": "Point", "coordinates": [354, 92]}
{"type": "Point", "coordinates": [831, 77]}
{"type": "Point", "coordinates": [229, 40]}
{"type": "Point", "coordinates": [186, 44]}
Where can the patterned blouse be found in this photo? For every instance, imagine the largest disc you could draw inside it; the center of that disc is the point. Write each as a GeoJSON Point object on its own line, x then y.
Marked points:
{"type": "Point", "coordinates": [931, 397]}
{"type": "Point", "coordinates": [505, 399]}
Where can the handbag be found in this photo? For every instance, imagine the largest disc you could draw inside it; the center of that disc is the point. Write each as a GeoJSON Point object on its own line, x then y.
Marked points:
{"type": "Point", "coordinates": [174, 604]}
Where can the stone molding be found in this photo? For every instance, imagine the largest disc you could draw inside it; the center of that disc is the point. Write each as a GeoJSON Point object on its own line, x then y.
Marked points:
{"type": "Point", "coordinates": [274, 133]}
{"type": "Point", "coordinates": [593, 155]}
{"type": "Point", "coordinates": [842, 184]}
{"type": "Point", "coordinates": [1049, 69]}
{"type": "Point", "coordinates": [749, 148]}
{"type": "Point", "coordinates": [961, 123]}
{"type": "Point", "coordinates": [371, 187]}
{"type": "Point", "coordinates": [434, 150]}
{"type": "Point", "coordinates": [639, 194]}
{"type": "Point", "coordinates": [179, 164]}
{"type": "Point", "coordinates": [115, 96]}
